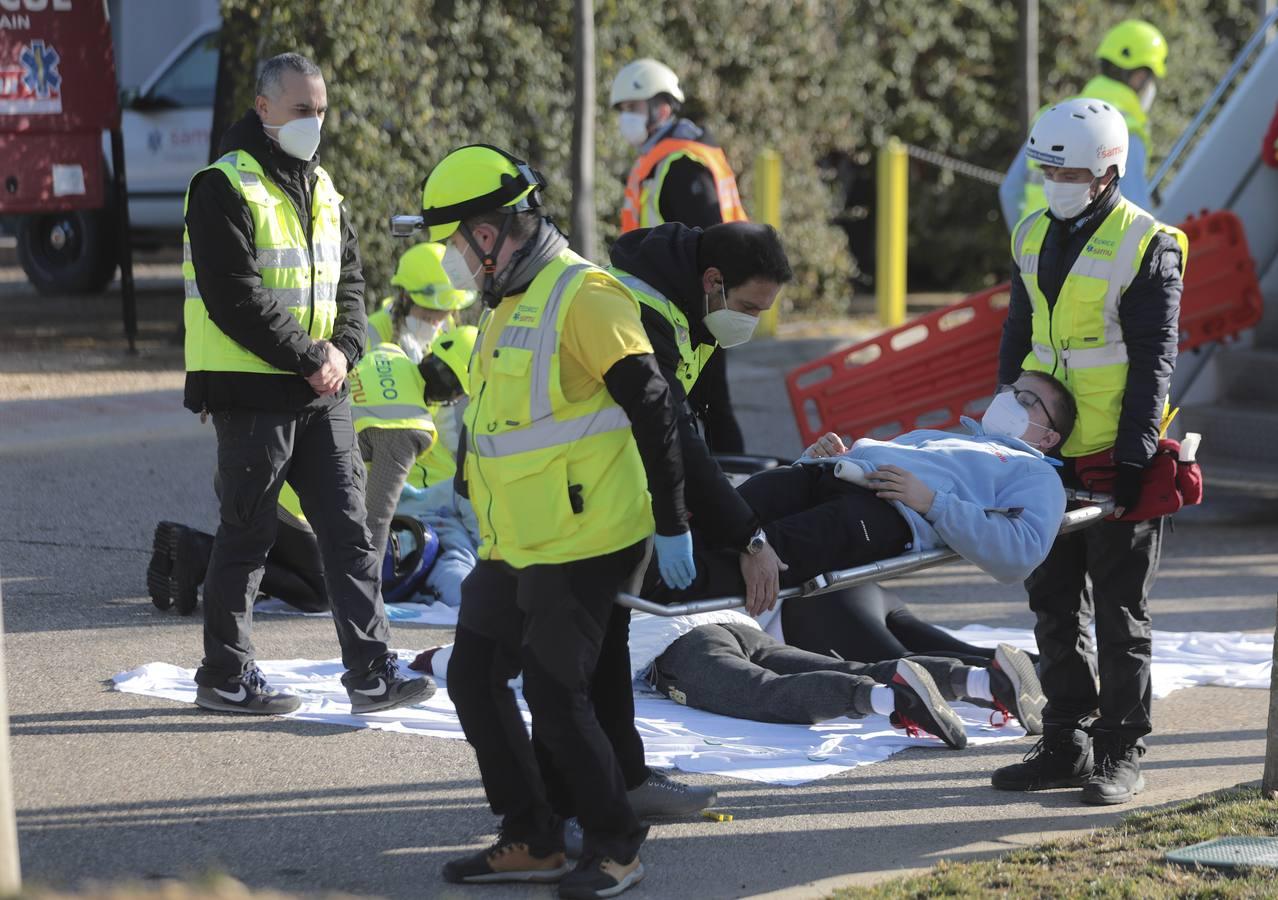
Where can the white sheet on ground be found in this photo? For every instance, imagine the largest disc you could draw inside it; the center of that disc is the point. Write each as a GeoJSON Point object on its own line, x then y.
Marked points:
{"type": "Point", "coordinates": [1181, 658]}
{"type": "Point", "coordinates": [697, 741]}
{"type": "Point", "coordinates": [673, 735]}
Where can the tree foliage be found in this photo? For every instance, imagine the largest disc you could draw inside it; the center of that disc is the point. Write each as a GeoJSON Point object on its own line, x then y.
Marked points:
{"type": "Point", "coordinates": [409, 80]}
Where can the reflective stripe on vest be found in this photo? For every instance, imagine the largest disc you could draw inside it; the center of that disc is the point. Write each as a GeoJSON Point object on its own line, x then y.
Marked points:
{"type": "Point", "coordinates": [379, 329]}
{"type": "Point", "coordinates": [692, 359]}
{"type": "Point", "coordinates": [551, 480]}
{"type": "Point", "coordinates": [642, 206]}
{"type": "Point", "coordinates": [1079, 339]}
{"type": "Point", "coordinates": [302, 278]}
{"type": "Point", "coordinates": [1122, 98]}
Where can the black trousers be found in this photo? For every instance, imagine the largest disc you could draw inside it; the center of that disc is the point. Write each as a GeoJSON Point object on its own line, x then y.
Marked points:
{"type": "Point", "coordinates": [316, 452]}
{"type": "Point", "coordinates": [815, 522]}
{"type": "Point", "coordinates": [867, 623]}
{"type": "Point", "coordinates": [293, 572]}
{"type": "Point", "coordinates": [550, 622]}
{"type": "Point", "coordinates": [1121, 559]}
{"type": "Point", "coordinates": [612, 694]}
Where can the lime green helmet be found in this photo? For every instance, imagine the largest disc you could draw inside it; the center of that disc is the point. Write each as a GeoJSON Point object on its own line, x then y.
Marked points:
{"type": "Point", "coordinates": [1134, 45]}
{"type": "Point", "coordinates": [421, 274]}
{"type": "Point", "coordinates": [452, 347]}
{"type": "Point", "coordinates": [474, 180]}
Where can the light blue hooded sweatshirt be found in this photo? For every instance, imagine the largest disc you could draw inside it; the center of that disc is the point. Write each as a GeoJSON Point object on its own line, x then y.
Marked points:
{"type": "Point", "coordinates": [998, 502]}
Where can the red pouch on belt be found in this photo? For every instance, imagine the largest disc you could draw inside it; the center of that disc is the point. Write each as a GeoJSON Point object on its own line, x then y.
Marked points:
{"type": "Point", "coordinates": [1169, 483]}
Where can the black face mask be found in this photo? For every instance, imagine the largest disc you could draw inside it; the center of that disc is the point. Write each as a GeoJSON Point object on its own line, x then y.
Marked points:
{"type": "Point", "coordinates": [442, 386]}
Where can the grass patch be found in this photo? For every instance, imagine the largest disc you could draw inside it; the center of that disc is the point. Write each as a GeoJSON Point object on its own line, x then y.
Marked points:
{"type": "Point", "coordinates": [1125, 860]}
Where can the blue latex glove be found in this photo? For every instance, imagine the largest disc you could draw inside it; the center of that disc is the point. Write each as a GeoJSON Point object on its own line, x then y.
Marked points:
{"type": "Point", "coordinates": [674, 559]}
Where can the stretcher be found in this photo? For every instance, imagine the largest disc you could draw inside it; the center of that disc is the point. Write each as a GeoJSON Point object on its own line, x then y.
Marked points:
{"type": "Point", "coordinates": [1089, 508]}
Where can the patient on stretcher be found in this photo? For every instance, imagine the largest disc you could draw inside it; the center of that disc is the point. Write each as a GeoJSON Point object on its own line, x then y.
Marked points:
{"type": "Point", "coordinates": [990, 495]}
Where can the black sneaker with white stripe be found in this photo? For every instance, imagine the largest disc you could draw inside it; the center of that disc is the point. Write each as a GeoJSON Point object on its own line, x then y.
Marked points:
{"type": "Point", "coordinates": [247, 694]}
{"type": "Point", "coordinates": [383, 687]}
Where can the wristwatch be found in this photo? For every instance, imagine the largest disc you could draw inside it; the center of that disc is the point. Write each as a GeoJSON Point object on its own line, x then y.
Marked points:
{"type": "Point", "coordinates": [757, 542]}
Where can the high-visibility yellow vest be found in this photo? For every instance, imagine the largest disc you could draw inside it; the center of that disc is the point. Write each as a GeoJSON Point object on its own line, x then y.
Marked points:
{"type": "Point", "coordinates": [380, 328]}
{"type": "Point", "coordinates": [303, 276]}
{"type": "Point", "coordinates": [1080, 339]}
{"type": "Point", "coordinates": [551, 480]}
{"type": "Point", "coordinates": [439, 462]}
{"type": "Point", "coordinates": [386, 392]}
{"type": "Point", "coordinates": [642, 207]}
{"type": "Point", "coordinates": [692, 358]}
{"type": "Point", "coordinates": [1117, 95]}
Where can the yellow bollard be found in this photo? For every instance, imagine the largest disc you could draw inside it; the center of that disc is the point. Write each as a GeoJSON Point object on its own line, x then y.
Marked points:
{"type": "Point", "coordinates": [890, 212]}
{"type": "Point", "coordinates": [767, 208]}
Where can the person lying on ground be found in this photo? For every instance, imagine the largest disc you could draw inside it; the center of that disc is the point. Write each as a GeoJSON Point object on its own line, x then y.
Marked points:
{"type": "Point", "coordinates": [990, 495]}
{"type": "Point", "coordinates": [723, 662]}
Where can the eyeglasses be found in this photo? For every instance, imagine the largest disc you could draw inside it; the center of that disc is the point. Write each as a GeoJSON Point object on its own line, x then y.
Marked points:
{"type": "Point", "coordinates": [1028, 399]}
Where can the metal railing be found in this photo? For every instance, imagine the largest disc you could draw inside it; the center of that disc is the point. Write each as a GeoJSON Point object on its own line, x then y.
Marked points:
{"type": "Point", "coordinates": [1192, 130]}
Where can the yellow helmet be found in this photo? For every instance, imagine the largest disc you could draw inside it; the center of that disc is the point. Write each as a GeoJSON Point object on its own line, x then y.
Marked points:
{"type": "Point", "coordinates": [1133, 45]}
{"type": "Point", "coordinates": [421, 274]}
{"type": "Point", "coordinates": [474, 180]}
{"type": "Point", "coordinates": [454, 347]}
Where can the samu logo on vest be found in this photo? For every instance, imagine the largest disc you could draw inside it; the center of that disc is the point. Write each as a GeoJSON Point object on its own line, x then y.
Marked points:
{"type": "Point", "coordinates": [526, 314]}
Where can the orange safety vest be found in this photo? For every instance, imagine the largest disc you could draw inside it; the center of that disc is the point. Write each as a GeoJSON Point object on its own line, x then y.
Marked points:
{"type": "Point", "coordinates": [643, 192]}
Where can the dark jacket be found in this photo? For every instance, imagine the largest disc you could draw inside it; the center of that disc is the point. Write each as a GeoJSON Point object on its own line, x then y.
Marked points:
{"type": "Point", "coordinates": [688, 194]}
{"type": "Point", "coordinates": [666, 258]}
{"type": "Point", "coordinates": [1149, 312]}
{"type": "Point", "coordinates": [225, 259]}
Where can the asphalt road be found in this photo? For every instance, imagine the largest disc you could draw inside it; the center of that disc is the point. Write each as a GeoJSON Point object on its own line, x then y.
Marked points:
{"type": "Point", "coordinates": [113, 786]}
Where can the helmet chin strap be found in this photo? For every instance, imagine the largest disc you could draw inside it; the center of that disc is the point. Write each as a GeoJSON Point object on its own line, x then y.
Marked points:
{"type": "Point", "coordinates": [488, 261]}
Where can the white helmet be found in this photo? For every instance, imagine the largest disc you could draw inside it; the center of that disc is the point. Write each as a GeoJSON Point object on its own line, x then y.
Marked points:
{"type": "Point", "coordinates": [644, 79]}
{"type": "Point", "coordinates": [1080, 134]}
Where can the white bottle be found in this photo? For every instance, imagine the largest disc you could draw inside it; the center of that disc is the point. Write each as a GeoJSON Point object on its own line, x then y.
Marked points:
{"type": "Point", "coordinates": [1189, 447]}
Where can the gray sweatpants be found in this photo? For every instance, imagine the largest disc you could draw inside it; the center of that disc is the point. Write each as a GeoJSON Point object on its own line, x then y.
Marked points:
{"type": "Point", "coordinates": [736, 670]}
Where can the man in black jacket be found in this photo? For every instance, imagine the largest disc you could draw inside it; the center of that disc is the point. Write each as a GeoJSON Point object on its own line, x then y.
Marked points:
{"type": "Point", "coordinates": [274, 320]}
{"type": "Point", "coordinates": [1096, 286]}
{"type": "Point", "coordinates": [691, 284]}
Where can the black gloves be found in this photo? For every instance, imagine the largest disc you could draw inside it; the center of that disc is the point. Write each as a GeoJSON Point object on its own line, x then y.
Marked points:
{"type": "Point", "coordinates": [1128, 482]}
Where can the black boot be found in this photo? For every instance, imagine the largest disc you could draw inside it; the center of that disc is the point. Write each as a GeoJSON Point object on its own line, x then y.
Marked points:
{"type": "Point", "coordinates": [1061, 758]}
{"type": "Point", "coordinates": [1116, 777]}
{"type": "Point", "coordinates": [179, 562]}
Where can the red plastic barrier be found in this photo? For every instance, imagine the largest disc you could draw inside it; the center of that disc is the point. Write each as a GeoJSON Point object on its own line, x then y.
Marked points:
{"type": "Point", "coordinates": [933, 369]}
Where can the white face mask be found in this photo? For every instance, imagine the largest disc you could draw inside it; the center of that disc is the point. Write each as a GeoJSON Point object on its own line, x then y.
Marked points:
{"type": "Point", "coordinates": [729, 327]}
{"type": "Point", "coordinates": [1147, 94]}
{"type": "Point", "coordinates": [1006, 417]}
{"type": "Point", "coordinates": [460, 274]}
{"type": "Point", "coordinates": [633, 127]}
{"type": "Point", "coordinates": [423, 330]}
{"type": "Point", "coordinates": [1066, 200]}
{"type": "Point", "coordinates": [299, 138]}
{"type": "Point", "coordinates": [412, 349]}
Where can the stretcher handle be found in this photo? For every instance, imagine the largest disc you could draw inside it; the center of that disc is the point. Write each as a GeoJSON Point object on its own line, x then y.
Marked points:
{"type": "Point", "coordinates": [1098, 507]}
